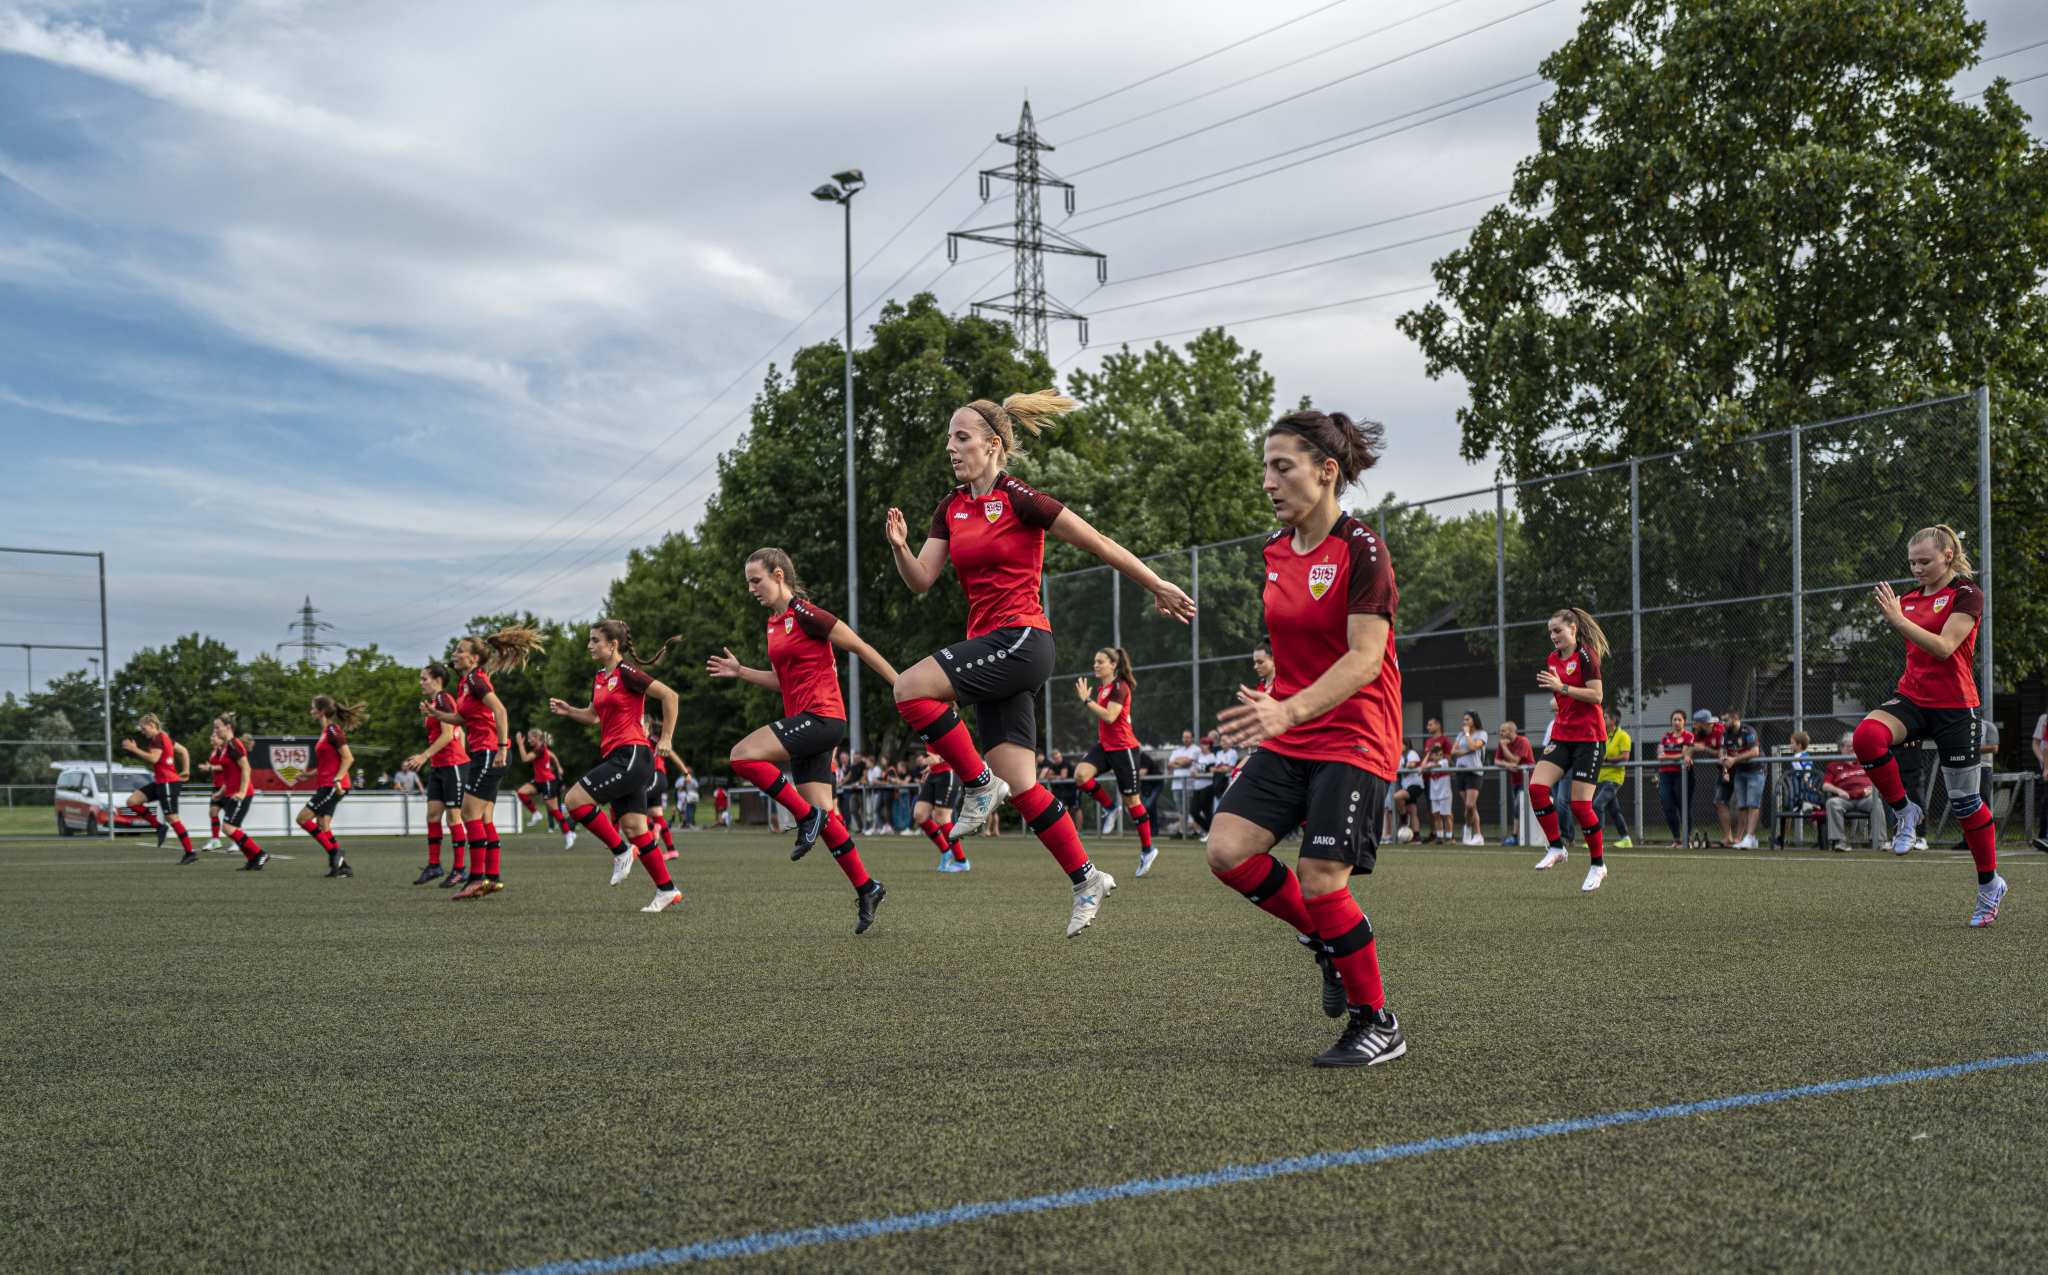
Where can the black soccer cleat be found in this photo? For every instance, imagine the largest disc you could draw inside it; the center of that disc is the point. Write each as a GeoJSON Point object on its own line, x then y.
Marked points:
{"type": "Point", "coordinates": [458, 877]}
{"type": "Point", "coordinates": [869, 900]}
{"type": "Point", "coordinates": [256, 864]}
{"type": "Point", "coordinates": [808, 830]}
{"type": "Point", "coordinates": [1368, 1040]}
{"type": "Point", "coordinates": [191, 856]}
{"type": "Point", "coordinates": [161, 833]}
{"type": "Point", "coordinates": [427, 874]}
{"type": "Point", "coordinates": [341, 869]}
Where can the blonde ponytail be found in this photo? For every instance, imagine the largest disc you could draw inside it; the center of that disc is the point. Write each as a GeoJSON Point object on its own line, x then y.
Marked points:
{"type": "Point", "coordinates": [1033, 411]}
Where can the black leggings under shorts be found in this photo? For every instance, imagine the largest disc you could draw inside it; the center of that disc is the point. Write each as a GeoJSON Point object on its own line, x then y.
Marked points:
{"type": "Point", "coordinates": [1335, 805]}
{"type": "Point", "coordinates": [809, 740]}
{"type": "Point", "coordinates": [234, 811]}
{"type": "Point", "coordinates": [1001, 673]}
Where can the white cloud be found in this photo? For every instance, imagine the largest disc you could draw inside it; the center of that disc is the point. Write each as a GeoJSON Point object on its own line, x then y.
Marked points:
{"type": "Point", "coordinates": [90, 413]}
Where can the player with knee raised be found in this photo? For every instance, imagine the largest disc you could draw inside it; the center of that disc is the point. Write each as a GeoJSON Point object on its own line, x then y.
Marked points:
{"type": "Point", "coordinates": [333, 761]}
{"type": "Point", "coordinates": [1116, 743]}
{"type": "Point", "coordinates": [618, 708]}
{"type": "Point", "coordinates": [1328, 731]}
{"type": "Point", "coordinates": [1937, 700]}
{"type": "Point", "coordinates": [542, 794]}
{"type": "Point", "coordinates": [992, 528]}
{"type": "Point", "coordinates": [803, 642]}
{"type": "Point", "coordinates": [237, 790]}
{"type": "Point", "coordinates": [445, 761]}
{"type": "Point", "coordinates": [487, 737]}
{"type": "Point", "coordinates": [933, 813]}
{"type": "Point", "coordinates": [1578, 739]}
{"type": "Point", "coordinates": [169, 764]}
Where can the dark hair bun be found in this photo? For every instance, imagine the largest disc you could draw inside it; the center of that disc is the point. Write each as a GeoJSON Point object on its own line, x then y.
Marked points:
{"type": "Point", "coordinates": [1354, 445]}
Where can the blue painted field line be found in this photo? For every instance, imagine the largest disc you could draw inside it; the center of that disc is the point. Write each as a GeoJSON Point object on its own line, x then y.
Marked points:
{"type": "Point", "coordinates": [760, 1242]}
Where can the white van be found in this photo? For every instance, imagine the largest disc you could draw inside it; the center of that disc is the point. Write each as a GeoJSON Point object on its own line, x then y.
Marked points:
{"type": "Point", "coordinates": [88, 796]}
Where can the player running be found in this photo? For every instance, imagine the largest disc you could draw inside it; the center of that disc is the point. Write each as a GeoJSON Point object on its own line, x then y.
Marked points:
{"type": "Point", "coordinates": [481, 714]}
{"type": "Point", "coordinates": [933, 812]}
{"type": "Point", "coordinates": [1329, 731]}
{"type": "Point", "coordinates": [992, 528]}
{"type": "Point", "coordinates": [1116, 743]}
{"type": "Point", "coordinates": [1578, 738]}
{"type": "Point", "coordinates": [1937, 700]}
{"type": "Point", "coordinates": [169, 766]}
{"type": "Point", "coordinates": [236, 790]}
{"type": "Point", "coordinates": [618, 706]}
{"type": "Point", "coordinates": [536, 750]}
{"type": "Point", "coordinates": [333, 760]}
{"type": "Point", "coordinates": [657, 799]}
{"type": "Point", "coordinates": [216, 767]}
{"type": "Point", "coordinates": [444, 759]}
{"type": "Point", "coordinates": [802, 640]}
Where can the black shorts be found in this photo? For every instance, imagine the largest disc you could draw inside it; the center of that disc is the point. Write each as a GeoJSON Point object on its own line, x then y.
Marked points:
{"type": "Point", "coordinates": [1466, 780]}
{"type": "Point", "coordinates": [940, 790]}
{"type": "Point", "coordinates": [1122, 762]}
{"type": "Point", "coordinates": [1000, 674]}
{"type": "Point", "coordinates": [1579, 759]}
{"type": "Point", "coordinates": [622, 779]}
{"type": "Point", "coordinates": [444, 784]}
{"type": "Point", "coordinates": [809, 740]}
{"type": "Point", "coordinates": [1416, 793]}
{"type": "Point", "coordinates": [480, 778]}
{"type": "Point", "coordinates": [234, 811]}
{"type": "Point", "coordinates": [1956, 732]}
{"type": "Point", "coordinates": [164, 795]}
{"type": "Point", "coordinates": [324, 800]}
{"type": "Point", "coordinates": [1322, 798]}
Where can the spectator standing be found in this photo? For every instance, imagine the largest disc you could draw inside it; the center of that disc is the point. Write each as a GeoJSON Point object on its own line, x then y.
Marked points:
{"type": "Point", "coordinates": [1180, 765]}
{"type": "Point", "coordinates": [1671, 763]}
{"type": "Point", "coordinates": [2040, 742]}
{"type": "Point", "coordinates": [1846, 789]}
{"type": "Point", "coordinates": [1515, 755]}
{"type": "Point", "coordinates": [1436, 755]}
{"type": "Point", "coordinates": [1222, 764]}
{"type": "Point", "coordinates": [1607, 790]}
{"type": "Point", "coordinates": [1707, 731]}
{"type": "Point", "coordinates": [1202, 789]}
{"type": "Point", "coordinates": [1801, 793]}
{"type": "Point", "coordinates": [1742, 783]}
{"type": "Point", "coordinates": [687, 794]}
{"type": "Point", "coordinates": [1468, 759]}
{"type": "Point", "coordinates": [1409, 794]}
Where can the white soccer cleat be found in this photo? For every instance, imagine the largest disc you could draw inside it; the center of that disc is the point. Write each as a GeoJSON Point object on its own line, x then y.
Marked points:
{"type": "Point", "coordinates": [1146, 859]}
{"type": "Point", "coordinates": [213, 844]}
{"type": "Point", "coordinates": [1906, 830]}
{"type": "Point", "coordinates": [1594, 876]}
{"type": "Point", "coordinates": [1988, 899]}
{"type": "Point", "coordinates": [1088, 897]}
{"type": "Point", "coordinates": [622, 864]}
{"type": "Point", "coordinates": [975, 805]}
{"type": "Point", "coordinates": [664, 900]}
{"type": "Point", "coordinates": [568, 841]}
{"type": "Point", "coordinates": [1555, 856]}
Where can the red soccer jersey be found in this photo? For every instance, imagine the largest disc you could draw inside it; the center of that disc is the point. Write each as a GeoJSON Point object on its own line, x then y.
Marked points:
{"type": "Point", "coordinates": [1509, 752]}
{"type": "Point", "coordinates": [479, 723]}
{"type": "Point", "coordinates": [454, 754]}
{"type": "Point", "coordinates": [164, 770]}
{"type": "Point", "coordinates": [218, 759]}
{"type": "Point", "coordinates": [997, 546]}
{"type": "Point", "coordinates": [1117, 732]}
{"type": "Point", "coordinates": [1309, 600]}
{"type": "Point", "coordinates": [1949, 683]}
{"type": "Point", "coordinates": [1671, 749]}
{"type": "Point", "coordinates": [543, 766]}
{"type": "Point", "coordinates": [619, 698]}
{"type": "Point", "coordinates": [327, 756]}
{"type": "Point", "coordinates": [232, 756]}
{"type": "Point", "coordinates": [1576, 719]}
{"type": "Point", "coordinates": [801, 655]}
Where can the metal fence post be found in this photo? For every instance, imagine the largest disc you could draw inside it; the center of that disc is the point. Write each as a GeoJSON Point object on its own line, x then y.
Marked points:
{"type": "Point", "coordinates": [1635, 611]}
{"type": "Point", "coordinates": [1985, 689]}
{"type": "Point", "coordinates": [106, 694]}
{"type": "Point", "coordinates": [1500, 636]}
{"type": "Point", "coordinates": [1798, 581]}
{"type": "Point", "coordinates": [1045, 604]}
{"type": "Point", "coordinates": [1116, 610]}
{"type": "Point", "coordinates": [1195, 640]}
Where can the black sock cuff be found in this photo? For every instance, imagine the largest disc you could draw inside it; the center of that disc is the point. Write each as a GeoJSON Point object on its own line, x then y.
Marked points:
{"type": "Point", "coordinates": [1352, 940]}
{"type": "Point", "coordinates": [1048, 817]}
{"type": "Point", "coordinates": [939, 725]}
{"type": "Point", "coordinates": [1275, 880]}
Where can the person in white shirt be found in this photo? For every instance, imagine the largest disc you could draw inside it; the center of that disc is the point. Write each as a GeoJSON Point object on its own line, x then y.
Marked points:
{"type": "Point", "coordinates": [2041, 790]}
{"type": "Point", "coordinates": [1202, 789]}
{"type": "Point", "coordinates": [1468, 759]}
{"type": "Point", "coordinates": [1180, 765]}
{"type": "Point", "coordinates": [1221, 761]}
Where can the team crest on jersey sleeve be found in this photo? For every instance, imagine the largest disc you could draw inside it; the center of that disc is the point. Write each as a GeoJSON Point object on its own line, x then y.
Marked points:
{"type": "Point", "coordinates": [1320, 577]}
{"type": "Point", "coordinates": [991, 509]}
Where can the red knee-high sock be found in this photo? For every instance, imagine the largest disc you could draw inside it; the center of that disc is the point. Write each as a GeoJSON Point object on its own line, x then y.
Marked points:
{"type": "Point", "coordinates": [840, 842]}
{"type": "Point", "coordinates": [1589, 824]}
{"type": "Point", "coordinates": [526, 799]}
{"type": "Point", "coordinates": [245, 842]}
{"type": "Point", "coordinates": [1347, 937]}
{"type": "Point", "coordinates": [1272, 887]}
{"type": "Point", "coordinates": [939, 726]}
{"type": "Point", "coordinates": [661, 825]}
{"type": "Point", "coordinates": [311, 827]}
{"type": "Point", "coordinates": [1141, 819]}
{"type": "Point", "coordinates": [768, 777]}
{"type": "Point", "coordinates": [600, 825]}
{"type": "Point", "coordinates": [491, 848]}
{"type": "Point", "coordinates": [953, 842]}
{"type": "Point", "coordinates": [184, 838]}
{"type": "Point", "coordinates": [1980, 833]}
{"type": "Point", "coordinates": [931, 829]}
{"type": "Point", "coordinates": [1096, 790]}
{"type": "Point", "coordinates": [561, 820]}
{"type": "Point", "coordinates": [458, 837]}
{"type": "Point", "coordinates": [1873, 744]}
{"type": "Point", "coordinates": [651, 859]}
{"type": "Point", "coordinates": [434, 846]}
{"type": "Point", "coordinates": [1546, 813]}
{"type": "Point", "coordinates": [148, 816]}
{"type": "Point", "coordinates": [213, 817]}
{"type": "Point", "coordinates": [1047, 818]}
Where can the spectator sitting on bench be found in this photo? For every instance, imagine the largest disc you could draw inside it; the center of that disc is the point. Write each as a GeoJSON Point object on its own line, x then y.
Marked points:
{"type": "Point", "coordinates": [1849, 791]}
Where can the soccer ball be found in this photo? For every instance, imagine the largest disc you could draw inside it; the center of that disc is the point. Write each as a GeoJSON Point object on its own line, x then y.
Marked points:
{"type": "Point", "coordinates": [1404, 834]}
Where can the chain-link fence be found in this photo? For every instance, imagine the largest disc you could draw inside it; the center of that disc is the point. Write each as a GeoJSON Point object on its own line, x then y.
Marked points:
{"type": "Point", "coordinates": [1729, 578]}
{"type": "Point", "coordinates": [56, 753]}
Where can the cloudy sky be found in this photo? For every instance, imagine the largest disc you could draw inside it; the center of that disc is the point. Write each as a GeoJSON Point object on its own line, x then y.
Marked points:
{"type": "Point", "coordinates": [423, 310]}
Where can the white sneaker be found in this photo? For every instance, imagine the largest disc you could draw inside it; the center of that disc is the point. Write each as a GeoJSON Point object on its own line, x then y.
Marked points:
{"type": "Point", "coordinates": [622, 865]}
{"type": "Point", "coordinates": [1146, 859]}
{"type": "Point", "coordinates": [975, 805]}
{"type": "Point", "coordinates": [1594, 876]}
{"type": "Point", "coordinates": [568, 841]}
{"type": "Point", "coordinates": [1088, 897]}
{"type": "Point", "coordinates": [909, 832]}
{"type": "Point", "coordinates": [1747, 843]}
{"type": "Point", "coordinates": [213, 844]}
{"type": "Point", "coordinates": [1474, 839]}
{"type": "Point", "coordinates": [1906, 831]}
{"type": "Point", "coordinates": [664, 900]}
{"type": "Point", "coordinates": [1555, 856]}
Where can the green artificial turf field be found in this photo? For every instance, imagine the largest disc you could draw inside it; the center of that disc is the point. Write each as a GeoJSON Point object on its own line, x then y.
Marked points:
{"type": "Point", "coordinates": [209, 1069]}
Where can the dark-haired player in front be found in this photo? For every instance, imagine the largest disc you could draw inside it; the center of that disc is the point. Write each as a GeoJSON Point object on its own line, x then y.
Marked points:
{"type": "Point", "coordinates": [1116, 743]}
{"type": "Point", "coordinates": [333, 760]}
{"type": "Point", "coordinates": [1329, 731]}
{"type": "Point", "coordinates": [992, 528]}
{"type": "Point", "coordinates": [169, 763]}
{"type": "Point", "coordinates": [937, 793]}
{"type": "Point", "coordinates": [803, 639]}
{"type": "Point", "coordinates": [445, 760]}
{"type": "Point", "coordinates": [618, 706]}
{"type": "Point", "coordinates": [1937, 700]}
{"type": "Point", "coordinates": [1578, 739]}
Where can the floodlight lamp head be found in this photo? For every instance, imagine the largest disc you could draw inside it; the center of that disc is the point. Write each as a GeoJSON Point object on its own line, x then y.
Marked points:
{"type": "Point", "coordinates": [828, 194]}
{"type": "Point", "coordinates": [851, 179]}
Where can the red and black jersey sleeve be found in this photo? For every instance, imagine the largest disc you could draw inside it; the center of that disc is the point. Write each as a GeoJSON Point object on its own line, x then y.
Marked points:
{"type": "Point", "coordinates": [940, 531]}
{"type": "Point", "coordinates": [235, 752]}
{"type": "Point", "coordinates": [478, 684]}
{"type": "Point", "coordinates": [1118, 694]}
{"type": "Point", "coordinates": [336, 736]}
{"type": "Point", "coordinates": [813, 619]}
{"type": "Point", "coordinates": [1371, 590]}
{"type": "Point", "coordinates": [635, 680]}
{"type": "Point", "coordinates": [1034, 508]}
{"type": "Point", "coordinates": [1969, 600]}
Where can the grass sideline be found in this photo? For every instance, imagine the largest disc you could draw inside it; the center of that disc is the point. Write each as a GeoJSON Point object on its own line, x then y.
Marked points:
{"type": "Point", "coordinates": [214, 1071]}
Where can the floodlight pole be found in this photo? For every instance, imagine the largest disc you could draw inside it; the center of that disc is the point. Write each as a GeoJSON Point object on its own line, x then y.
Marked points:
{"type": "Point", "coordinates": [842, 190]}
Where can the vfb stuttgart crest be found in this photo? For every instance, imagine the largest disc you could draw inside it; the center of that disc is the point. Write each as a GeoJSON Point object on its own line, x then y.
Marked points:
{"type": "Point", "coordinates": [991, 509]}
{"type": "Point", "coordinates": [1939, 603]}
{"type": "Point", "coordinates": [290, 761]}
{"type": "Point", "coordinates": [789, 623]}
{"type": "Point", "coordinates": [1320, 577]}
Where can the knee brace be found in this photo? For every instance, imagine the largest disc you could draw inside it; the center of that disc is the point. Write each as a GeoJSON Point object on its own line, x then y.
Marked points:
{"type": "Point", "coordinates": [1961, 781]}
{"type": "Point", "coordinates": [1872, 741]}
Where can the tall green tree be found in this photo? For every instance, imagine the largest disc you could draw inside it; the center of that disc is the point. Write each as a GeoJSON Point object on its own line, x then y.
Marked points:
{"type": "Point", "coordinates": [1744, 214]}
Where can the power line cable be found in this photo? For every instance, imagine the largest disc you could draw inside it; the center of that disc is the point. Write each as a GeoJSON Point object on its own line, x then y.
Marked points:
{"type": "Point", "coordinates": [2010, 52]}
{"type": "Point", "coordinates": [1274, 274]}
{"type": "Point", "coordinates": [1262, 318]}
{"type": "Point", "coordinates": [1297, 96]}
{"type": "Point", "coordinates": [2010, 84]}
{"type": "Point", "coordinates": [1182, 66]}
